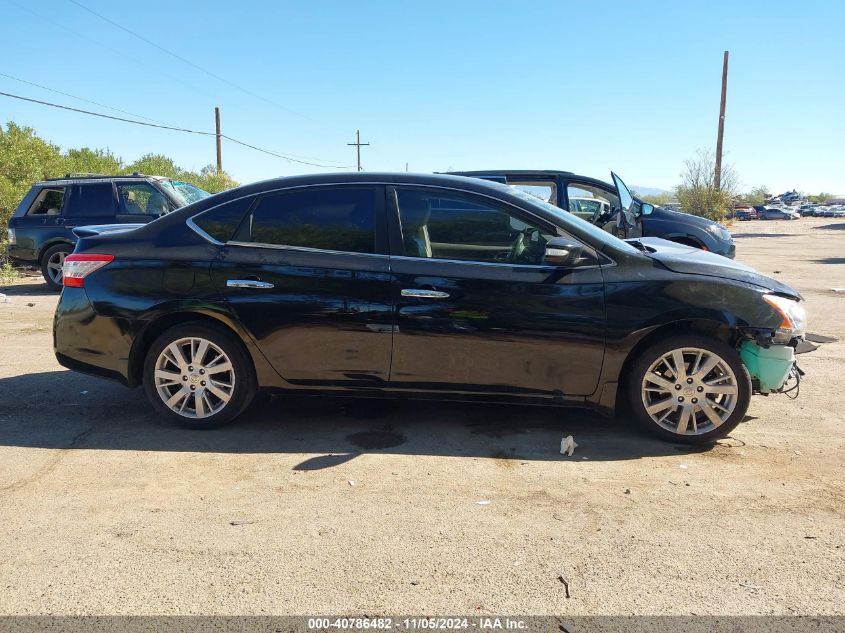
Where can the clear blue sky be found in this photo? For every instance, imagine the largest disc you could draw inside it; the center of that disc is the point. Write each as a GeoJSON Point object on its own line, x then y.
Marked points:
{"type": "Point", "coordinates": [586, 87]}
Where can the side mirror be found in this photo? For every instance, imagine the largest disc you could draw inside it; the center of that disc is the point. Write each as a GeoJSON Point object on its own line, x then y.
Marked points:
{"type": "Point", "coordinates": [562, 251]}
{"type": "Point", "coordinates": [646, 208]}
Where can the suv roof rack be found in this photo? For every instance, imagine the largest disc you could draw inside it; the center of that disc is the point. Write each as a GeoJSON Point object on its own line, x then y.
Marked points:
{"type": "Point", "coordinates": [84, 176]}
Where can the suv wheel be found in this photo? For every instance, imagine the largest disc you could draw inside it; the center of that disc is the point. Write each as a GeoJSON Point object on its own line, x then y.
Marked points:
{"type": "Point", "coordinates": [199, 376]}
{"type": "Point", "coordinates": [689, 388]}
{"type": "Point", "coordinates": [52, 262]}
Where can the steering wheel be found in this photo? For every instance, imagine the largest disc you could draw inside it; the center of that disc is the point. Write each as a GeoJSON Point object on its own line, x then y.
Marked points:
{"type": "Point", "coordinates": [524, 248]}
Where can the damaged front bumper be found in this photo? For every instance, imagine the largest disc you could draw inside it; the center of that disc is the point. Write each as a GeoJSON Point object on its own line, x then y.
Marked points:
{"type": "Point", "coordinates": [770, 367]}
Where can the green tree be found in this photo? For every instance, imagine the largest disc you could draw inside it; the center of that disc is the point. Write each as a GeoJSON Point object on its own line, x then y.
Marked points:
{"type": "Point", "coordinates": [155, 165]}
{"type": "Point", "coordinates": [213, 182]}
{"type": "Point", "coordinates": [756, 196]}
{"type": "Point", "coordinates": [697, 192]}
{"type": "Point", "coordinates": [819, 198]}
{"type": "Point", "coordinates": [659, 199]}
{"type": "Point", "coordinates": [92, 161]}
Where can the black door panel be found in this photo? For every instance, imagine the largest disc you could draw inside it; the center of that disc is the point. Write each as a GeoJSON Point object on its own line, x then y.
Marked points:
{"type": "Point", "coordinates": [326, 317]}
{"type": "Point", "coordinates": [320, 316]}
{"type": "Point", "coordinates": [531, 330]}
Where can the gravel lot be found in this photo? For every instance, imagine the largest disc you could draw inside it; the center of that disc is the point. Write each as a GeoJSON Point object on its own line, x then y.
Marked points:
{"type": "Point", "coordinates": [324, 506]}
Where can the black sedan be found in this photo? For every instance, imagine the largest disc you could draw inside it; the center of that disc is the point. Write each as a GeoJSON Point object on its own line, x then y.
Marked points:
{"type": "Point", "coordinates": [420, 286]}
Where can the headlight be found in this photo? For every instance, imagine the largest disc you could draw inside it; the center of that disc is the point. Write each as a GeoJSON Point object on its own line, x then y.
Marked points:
{"type": "Point", "coordinates": [721, 231]}
{"type": "Point", "coordinates": [13, 239]}
{"type": "Point", "coordinates": [793, 317]}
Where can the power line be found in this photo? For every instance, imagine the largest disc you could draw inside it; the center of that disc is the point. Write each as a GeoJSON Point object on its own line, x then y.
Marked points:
{"type": "Point", "coordinates": [189, 62]}
{"type": "Point", "coordinates": [140, 116]}
{"type": "Point", "coordinates": [179, 80]}
{"type": "Point", "coordinates": [170, 127]}
{"type": "Point", "coordinates": [141, 64]}
{"type": "Point", "coordinates": [72, 96]}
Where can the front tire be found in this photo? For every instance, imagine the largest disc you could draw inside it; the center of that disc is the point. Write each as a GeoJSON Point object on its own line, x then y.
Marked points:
{"type": "Point", "coordinates": [51, 265]}
{"type": "Point", "coordinates": [199, 375]}
{"type": "Point", "coordinates": [689, 388]}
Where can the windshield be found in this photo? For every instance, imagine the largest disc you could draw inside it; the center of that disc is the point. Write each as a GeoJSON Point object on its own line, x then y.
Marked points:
{"type": "Point", "coordinates": [185, 193]}
{"type": "Point", "coordinates": [600, 236]}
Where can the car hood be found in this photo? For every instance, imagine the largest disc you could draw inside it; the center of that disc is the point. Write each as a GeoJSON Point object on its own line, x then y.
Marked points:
{"type": "Point", "coordinates": [693, 261]}
{"type": "Point", "coordinates": [667, 214]}
{"type": "Point", "coordinates": [98, 229]}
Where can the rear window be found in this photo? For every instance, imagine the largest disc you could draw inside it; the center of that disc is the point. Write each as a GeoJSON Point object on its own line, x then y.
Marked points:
{"type": "Point", "coordinates": [221, 222]}
{"type": "Point", "coordinates": [48, 201]}
{"type": "Point", "coordinates": [336, 219]}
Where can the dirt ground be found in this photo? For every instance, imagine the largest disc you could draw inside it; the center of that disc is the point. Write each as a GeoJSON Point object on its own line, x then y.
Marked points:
{"type": "Point", "coordinates": [347, 507]}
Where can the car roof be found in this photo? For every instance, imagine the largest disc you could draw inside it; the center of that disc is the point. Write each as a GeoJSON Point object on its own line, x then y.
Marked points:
{"type": "Point", "coordinates": [515, 172]}
{"type": "Point", "coordinates": [470, 184]}
{"type": "Point", "coordinates": [96, 178]}
{"type": "Point", "coordinates": [369, 177]}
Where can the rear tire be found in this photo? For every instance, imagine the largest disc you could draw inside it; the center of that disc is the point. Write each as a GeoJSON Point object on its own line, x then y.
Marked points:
{"type": "Point", "coordinates": [199, 375]}
{"type": "Point", "coordinates": [51, 265]}
{"type": "Point", "coordinates": [700, 403]}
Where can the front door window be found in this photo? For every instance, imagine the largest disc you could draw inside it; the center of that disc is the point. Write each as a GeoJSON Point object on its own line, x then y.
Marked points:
{"type": "Point", "coordinates": [141, 198]}
{"type": "Point", "coordinates": [602, 207]}
{"type": "Point", "coordinates": [457, 227]}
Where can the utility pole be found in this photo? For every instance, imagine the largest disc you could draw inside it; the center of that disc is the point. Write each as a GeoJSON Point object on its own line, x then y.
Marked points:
{"type": "Point", "coordinates": [406, 168]}
{"type": "Point", "coordinates": [358, 144]}
{"type": "Point", "coordinates": [219, 146]}
{"type": "Point", "coordinates": [717, 176]}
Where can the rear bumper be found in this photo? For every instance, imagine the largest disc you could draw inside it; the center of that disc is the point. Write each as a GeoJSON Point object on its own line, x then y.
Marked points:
{"type": "Point", "coordinates": [90, 343]}
{"type": "Point", "coordinates": [19, 255]}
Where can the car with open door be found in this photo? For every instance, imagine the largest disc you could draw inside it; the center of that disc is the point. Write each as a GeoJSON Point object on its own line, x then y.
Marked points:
{"type": "Point", "coordinates": [421, 286]}
{"type": "Point", "coordinates": [598, 202]}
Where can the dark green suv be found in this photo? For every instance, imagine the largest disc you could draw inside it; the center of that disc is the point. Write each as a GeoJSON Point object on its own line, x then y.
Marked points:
{"type": "Point", "coordinates": [41, 228]}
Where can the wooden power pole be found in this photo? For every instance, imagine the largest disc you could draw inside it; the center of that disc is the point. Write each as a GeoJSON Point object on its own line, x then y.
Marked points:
{"type": "Point", "coordinates": [358, 144]}
{"type": "Point", "coordinates": [717, 176]}
{"type": "Point", "coordinates": [219, 146]}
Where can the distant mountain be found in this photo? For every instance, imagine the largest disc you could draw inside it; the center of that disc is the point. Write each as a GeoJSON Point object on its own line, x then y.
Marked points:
{"type": "Point", "coordinates": [649, 191]}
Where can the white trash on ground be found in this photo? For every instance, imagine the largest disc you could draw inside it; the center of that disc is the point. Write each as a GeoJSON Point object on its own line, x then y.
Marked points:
{"type": "Point", "coordinates": [568, 446]}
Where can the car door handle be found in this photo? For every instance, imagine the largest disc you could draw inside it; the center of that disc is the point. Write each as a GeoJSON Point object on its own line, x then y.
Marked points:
{"type": "Point", "coordinates": [248, 283]}
{"type": "Point", "coordinates": [420, 293]}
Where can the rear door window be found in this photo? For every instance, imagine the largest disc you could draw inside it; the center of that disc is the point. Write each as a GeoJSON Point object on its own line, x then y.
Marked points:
{"type": "Point", "coordinates": [545, 190]}
{"type": "Point", "coordinates": [141, 198]}
{"type": "Point", "coordinates": [221, 222]}
{"type": "Point", "coordinates": [334, 219]}
{"type": "Point", "coordinates": [48, 201]}
{"type": "Point", "coordinates": [591, 203]}
{"type": "Point", "coordinates": [91, 200]}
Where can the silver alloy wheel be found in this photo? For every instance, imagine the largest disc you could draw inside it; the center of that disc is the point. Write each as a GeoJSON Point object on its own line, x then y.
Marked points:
{"type": "Point", "coordinates": [690, 391]}
{"type": "Point", "coordinates": [55, 265]}
{"type": "Point", "coordinates": [194, 377]}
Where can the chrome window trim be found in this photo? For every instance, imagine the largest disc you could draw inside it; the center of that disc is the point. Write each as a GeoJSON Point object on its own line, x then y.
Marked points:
{"type": "Point", "coordinates": [199, 231]}
{"type": "Point", "coordinates": [304, 249]}
{"type": "Point", "coordinates": [498, 264]}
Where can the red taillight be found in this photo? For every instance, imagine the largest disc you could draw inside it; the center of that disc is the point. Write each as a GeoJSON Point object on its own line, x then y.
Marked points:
{"type": "Point", "coordinates": [77, 267]}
